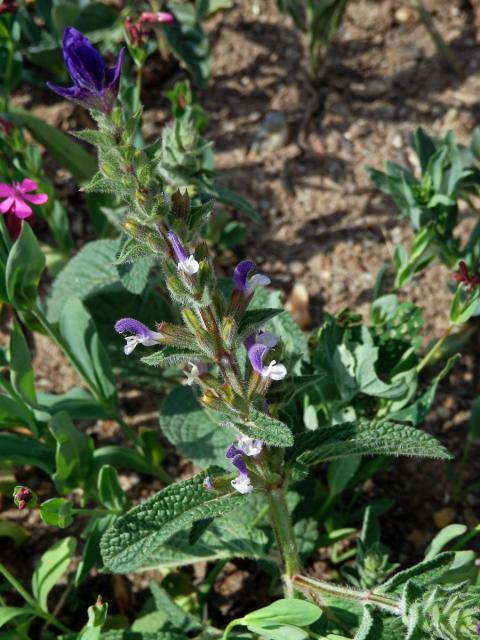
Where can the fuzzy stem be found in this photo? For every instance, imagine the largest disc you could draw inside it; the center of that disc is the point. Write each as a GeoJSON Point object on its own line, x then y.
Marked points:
{"type": "Point", "coordinates": [311, 585]}
{"type": "Point", "coordinates": [285, 536]}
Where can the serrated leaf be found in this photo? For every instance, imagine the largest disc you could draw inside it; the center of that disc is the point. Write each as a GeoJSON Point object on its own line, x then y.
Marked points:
{"type": "Point", "coordinates": [423, 573]}
{"type": "Point", "coordinates": [365, 438]}
{"type": "Point", "coordinates": [195, 431]}
{"type": "Point", "coordinates": [134, 276]}
{"type": "Point", "coordinates": [256, 318]}
{"type": "Point", "coordinates": [177, 617]}
{"type": "Point", "coordinates": [263, 427]}
{"type": "Point", "coordinates": [129, 544]}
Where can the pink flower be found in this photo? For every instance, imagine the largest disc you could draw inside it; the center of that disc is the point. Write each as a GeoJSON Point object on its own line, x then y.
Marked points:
{"type": "Point", "coordinates": [17, 195]}
{"type": "Point", "coordinates": [158, 16]}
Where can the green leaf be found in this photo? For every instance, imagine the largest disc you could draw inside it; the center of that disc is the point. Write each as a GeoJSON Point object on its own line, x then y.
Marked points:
{"type": "Point", "coordinates": [132, 540]}
{"type": "Point", "coordinates": [286, 611]}
{"type": "Point", "coordinates": [365, 438]}
{"type": "Point", "coordinates": [78, 403]}
{"type": "Point", "coordinates": [110, 492]}
{"type": "Point", "coordinates": [423, 573]}
{"type": "Point", "coordinates": [50, 568]}
{"type": "Point", "coordinates": [278, 631]}
{"type": "Point", "coordinates": [340, 472]}
{"type": "Point", "coordinates": [73, 455]}
{"type": "Point", "coordinates": [23, 450]}
{"type": "Point", "coordinates": [188, 42]}
{"type": "Point", "coordinates": [9, 613]}
{"type": "Point", "coordinates": [262, 427]}
{"type": "Point", "coordinates": [14, 531]}
{"type": "Point", "coordinates": [121, 458]}
{"type": "Point", "coordinates": [25, 264]}
{"type": "Point", "coordinates": [134, 275]}
{"type": "Point", "coordinates": [177, 617]}
{"type": "Point", "coordinates": [92, 270]}
{"type": "Point", "coordinates": [14, 414]}
{"type": "Point", "coordinates": [21, 371]}
{"type": "Point", "coordinates": [79, 332]}
{"type": "Point", "coordinates": [283, 325]}
{"type": "Point", "coordinates": [193, 430]}
{"type": "Point", "coordinates": [172, 356]}
{"type": "Point", "coordinates": [68, 153]}
{"type": "Point", "coordinates": [255, 319]}
{"type": "Point", "coordinates": [57, 512]}
{"type": "Point", "coordinates": [442, 538]}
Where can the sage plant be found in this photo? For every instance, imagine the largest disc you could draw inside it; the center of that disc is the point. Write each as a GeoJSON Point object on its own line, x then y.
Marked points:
{"type": "Point", "coordinates": [231, 362]}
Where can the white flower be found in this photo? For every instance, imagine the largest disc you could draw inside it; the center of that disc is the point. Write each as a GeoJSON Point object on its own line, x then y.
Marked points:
{"type": "Point", "coordinates": [249, 446]}
{"type": "Point", "coordinates": [192, 375]}
{"type": "Point", "coordinates": [190, 266]}
{"type": "Point", "coordinates": [242, 483]}
{"type": "Point", "coordinates": [274, 371]}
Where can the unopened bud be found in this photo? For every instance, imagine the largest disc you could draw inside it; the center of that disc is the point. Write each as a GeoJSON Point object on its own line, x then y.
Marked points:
{"type": "Point", "coordinates": [180, 204]}
{"type": "Point", "coordinates": [135, 229]}
{"type": "Point", "coordinates": [229, 330]}
{"type": "Point", "coordinates": [211, 400]}
{"type": "Point", "coordinates": [24, 497]}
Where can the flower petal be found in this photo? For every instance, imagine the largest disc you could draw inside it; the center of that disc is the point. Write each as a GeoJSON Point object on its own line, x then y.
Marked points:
{"type": "Point", "coordinates": [112, 76]}
{"type": "Point", "coordinates": [239, 463]}
{"type": "Point", "coordinates": [6, 205]}
{"type": "Point", "coordinates": [256, 355]}
{"type": "Point", "coordinates": [178, 250]}
{"type": "Point", "coordinates": [84, 63]}
{"type": "Point", "coordinates": [241, 272]}
{"type": "Point", "coordinates": [21, 208]}
{"type": "Point", "coordinates": [135, 327]}
{"type": "Point", "coordinates": [80, 96]}
{"type": "Point", "coordinates": [35, 198]}
{"type": "Point", "coordinates": [6, 190]}
{"type": "Point", "coordinates": [27, 185]}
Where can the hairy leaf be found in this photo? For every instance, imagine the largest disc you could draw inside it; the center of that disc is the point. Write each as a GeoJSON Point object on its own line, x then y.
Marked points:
{"type": "Point", "coordinates": [131, 541]}
{"type": "Point", "coordinates": [263, 427]}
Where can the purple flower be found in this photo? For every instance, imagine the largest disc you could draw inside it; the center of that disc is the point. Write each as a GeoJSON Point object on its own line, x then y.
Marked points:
{"type": "Point", "coordinates": [242, 482]}
{"type": "Point", "coordinates": [94, 86]}
{"type": "Point", "coordinates": [187, 264]}
{"type": "Point", "coordinates": [264, 337]}
{"type": "Point", "coordinates": [141, 334]}
{"type": "Point", "coordinates": [245, 282]}
{"type": "Point", "coordinates": [207, 483]}
{"type": "Point", "coordinates": [273, 371]}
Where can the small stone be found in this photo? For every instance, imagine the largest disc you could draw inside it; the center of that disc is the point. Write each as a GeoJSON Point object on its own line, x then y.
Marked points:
{"type": "Point", "coordinates": [444, 517]}
{"type": "Point", "coordinates": [369, 90]}
{"type": "Point", "coordinates": [298, 304]}
{"type": "Point", "coordinates": [397, 141]}
{"type": "Point", "coordinates": [405, 14]}
{"type": "Point", "coordinates": [272, 134]}
{"type": "Point", "coordinates": [297, 268]}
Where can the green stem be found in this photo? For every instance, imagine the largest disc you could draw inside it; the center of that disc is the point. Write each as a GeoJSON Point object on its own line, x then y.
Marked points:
{"type": "Point", "coordinates": [434, 350]}
{"type": "Point", "coordinates": [442, 47]}
{"type": "Point", "coordinates": [285, 536]}
{"type": "Point", "coordinates": [31, 601]}
{"type": "Point", "coordinates": [314, 586]}
{"type": "Point", "coordinates": [138, 88]}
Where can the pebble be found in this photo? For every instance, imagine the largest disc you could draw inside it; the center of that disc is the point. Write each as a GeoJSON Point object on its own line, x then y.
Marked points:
{"type": "Point", "coordinates": [372, 89]}
{"type": "Point", "coordinates": [397, 141]}
{"type": "Point", "coordinates": [272, 134]}
{"type": "Point", "coordinates": [405, 14]}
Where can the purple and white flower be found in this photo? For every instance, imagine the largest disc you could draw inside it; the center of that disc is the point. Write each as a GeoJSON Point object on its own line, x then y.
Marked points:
{"type": "Point", "coordinates": [245, 280]}
{"type": "Point", "coordinates": [242, 482]}
{"type": "Point", "coordinates": [193, 376]}
{"type": "Point", "coordinates": [272, 371]}
{"type": "Point", "coordinates": [185, 263]}
{"type": "Point", "coordinates": [140, 334]}
{"type": "Point", "coordinates": [207, 483]}
{"type": "Point", "coordinates": [94, 86]}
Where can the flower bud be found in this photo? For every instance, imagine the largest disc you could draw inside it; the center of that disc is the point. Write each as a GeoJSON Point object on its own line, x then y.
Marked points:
{"type": "Point", "coordinates": [135, 229]}
{"type": "Point", "coordinates": [24, 497]}
{"type": "Point", "coordinates": [180, 204]}
{"type": "Point", "coordinates": [212, 401]}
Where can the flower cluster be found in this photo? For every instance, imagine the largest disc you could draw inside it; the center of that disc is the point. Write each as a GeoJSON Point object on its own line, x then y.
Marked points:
{"type": "Point", "coordinates": [24, 497]}
{"type": "Point", "coordinates": [94, 85]}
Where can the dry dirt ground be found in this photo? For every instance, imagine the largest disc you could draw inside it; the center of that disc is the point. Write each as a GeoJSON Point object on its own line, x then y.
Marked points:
{"type": "Point", "coordinates": [323, 224]}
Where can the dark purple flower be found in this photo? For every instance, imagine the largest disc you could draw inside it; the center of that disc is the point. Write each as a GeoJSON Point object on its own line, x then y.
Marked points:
{"type": "Point", "coordinates": [242, 482]}
{"type": "Point", "coordinates": [95, 86]}
{"type": "Point", "coordinates": [141, 334]}
{"type": "Point", "coordinates": [464, 276]}
{"type": "Point", "coordinates": [187, 264]}
{"type": "Point", "coordinates": [273, 371]}
{"type": "Point", "coordinates": [232, 451]}
{"type": "Point", "coordinates": [245, 282]}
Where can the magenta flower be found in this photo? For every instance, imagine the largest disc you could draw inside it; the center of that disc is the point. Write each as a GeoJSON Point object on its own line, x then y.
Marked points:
{"type": "Point", "coordinates": [152, 17]}
{"type": "Point", "coordinates": [17, 195]}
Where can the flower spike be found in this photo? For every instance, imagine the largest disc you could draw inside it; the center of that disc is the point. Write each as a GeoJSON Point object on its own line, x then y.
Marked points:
{"type": "Point", "coordinates": [141, 334]}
